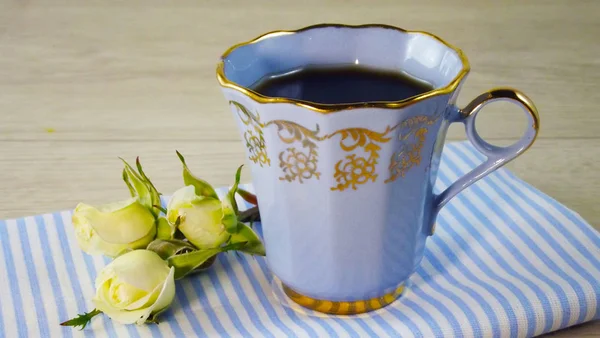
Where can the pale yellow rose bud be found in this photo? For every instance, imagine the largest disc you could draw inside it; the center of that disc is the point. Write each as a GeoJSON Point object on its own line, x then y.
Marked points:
{"type": "Point", "coordinates": [200, 218]}
{"type": "Point", "coordinates": [113, 228]}
{"type": "Point", "coordinates": [135, 286]}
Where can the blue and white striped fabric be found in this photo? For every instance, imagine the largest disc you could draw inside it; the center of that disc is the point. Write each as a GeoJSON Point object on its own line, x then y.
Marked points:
{"type": "Point", "coordinates": [506, 261]}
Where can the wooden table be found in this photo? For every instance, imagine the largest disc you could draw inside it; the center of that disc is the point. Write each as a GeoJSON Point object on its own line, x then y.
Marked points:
{"type": "Point", "coordinates": [83, 82]}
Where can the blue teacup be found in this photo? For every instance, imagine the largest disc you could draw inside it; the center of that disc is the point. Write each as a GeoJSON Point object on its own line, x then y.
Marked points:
{"type": "Point", "coordinates": [346, 190]}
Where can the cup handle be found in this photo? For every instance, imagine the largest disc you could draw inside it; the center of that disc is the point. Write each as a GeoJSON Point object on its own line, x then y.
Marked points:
{"type": "Point", "coordinates": [496, 156]}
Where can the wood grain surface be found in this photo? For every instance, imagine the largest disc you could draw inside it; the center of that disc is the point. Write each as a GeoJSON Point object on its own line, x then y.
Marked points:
{"type": "Point", "coordinates": [83, 82]}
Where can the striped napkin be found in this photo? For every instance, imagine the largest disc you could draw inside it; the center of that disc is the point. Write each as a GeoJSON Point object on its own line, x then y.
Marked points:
{"type": "Point", "coordinates": [506, 261]}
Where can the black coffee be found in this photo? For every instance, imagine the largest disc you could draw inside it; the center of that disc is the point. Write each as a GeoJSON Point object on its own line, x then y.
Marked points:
{"type": "Point", "coordinates": [348, 84]}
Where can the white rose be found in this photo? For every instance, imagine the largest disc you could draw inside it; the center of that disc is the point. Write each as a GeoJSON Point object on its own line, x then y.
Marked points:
{"type": "Point", "coordinates": [135, 286]}
{"type": "Point", "coordinates": [200, 218]}
{"type": "Point", "coordinates": [113, 228]}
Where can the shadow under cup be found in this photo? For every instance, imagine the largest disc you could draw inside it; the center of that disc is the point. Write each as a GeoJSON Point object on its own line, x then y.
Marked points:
{"type": "Point", "coordinates": [345, 191]}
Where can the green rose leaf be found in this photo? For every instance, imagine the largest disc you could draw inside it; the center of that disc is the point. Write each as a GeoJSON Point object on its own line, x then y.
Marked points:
{"type": "Point", "coordinates": [187, 262]}
{"type": "Point", "coordinates": [251, 242]}
{"type": "Point", "coordinates": [155, 195]}
{"type": "Point", "coordinates": [234, 189]}
{"type": "Point", "coordinates": [129, 186]}
{"type": "Point", "coordinates": [164, 230]}
{"type": "Point", "coordinates": [140, 186]}
{"type": "Point", "coordinates": [135, 184]}
{"type": "Point", "coordinates": [169, 248]}
{"type": "Point", "coordinates": [229, 205]}
{"type": "Point", "coordinates": [201, 186]}
{"type": "Point", "coordinates": [229, 219]}
{"type": "Point", "coordinates": [82, 320]}
{"type": "Point", "coordinates": [247, 196]}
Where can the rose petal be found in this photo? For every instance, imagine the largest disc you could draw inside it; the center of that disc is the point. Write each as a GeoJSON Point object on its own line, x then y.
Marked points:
{"type": "Point", "coordinates": [164, 299]}
{"type": "Point", "coordinates": [201, 223]}
{"type": "Point", "coordinates": [143, 269]}
{"type": "Point", "coordinates": [147, 300]}
{"type": "Point", "coordinates": [121, 316]}
{"type": "Point", "coordinates": [154, 302]}
{"type": "Point", "coordinates": [127, 224]}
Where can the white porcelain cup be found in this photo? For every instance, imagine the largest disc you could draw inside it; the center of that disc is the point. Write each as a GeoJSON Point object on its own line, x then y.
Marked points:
{"type": "Point", "coordinates": [345, 191]}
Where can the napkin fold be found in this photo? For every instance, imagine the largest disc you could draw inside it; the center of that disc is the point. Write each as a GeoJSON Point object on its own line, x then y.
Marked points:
{"type": "Point", "coordinates": [506, 261]}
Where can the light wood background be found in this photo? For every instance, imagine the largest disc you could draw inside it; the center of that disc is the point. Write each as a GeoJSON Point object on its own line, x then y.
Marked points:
{"type": "Point", "coordinates": [83, 82]}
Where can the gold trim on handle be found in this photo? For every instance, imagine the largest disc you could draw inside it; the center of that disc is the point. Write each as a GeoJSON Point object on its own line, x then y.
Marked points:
{"type": "Point", "coordinates": [343, 308]}
{"type": "Point", "coordinates": [331, 108]}
{"type": "Point", "coordinates": [505, 93]}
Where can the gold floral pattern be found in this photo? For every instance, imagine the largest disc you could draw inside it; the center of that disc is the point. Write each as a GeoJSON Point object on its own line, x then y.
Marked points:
{"type": "Point", "coordinates": [412, 138]}
{"type": "Point", "coordinates": [301, 165]}
{"type": "Point", "coordinates": [354, 169]}
{"type": "Point", "coordinates": [298, 165]}
{"type": "Point", "coordinates": [299, 161]}
{"type": "Point", "coordinates": [257, 147]}
{"type": "Point", "coordinates": [255, 141]}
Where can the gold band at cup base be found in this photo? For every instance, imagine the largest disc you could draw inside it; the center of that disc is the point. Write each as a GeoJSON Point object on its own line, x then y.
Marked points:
{"type": "Point", "coordinates": [343, 308]}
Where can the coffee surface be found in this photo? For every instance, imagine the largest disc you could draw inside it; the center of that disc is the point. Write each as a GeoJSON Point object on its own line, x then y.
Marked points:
{"type": "Point", "coordinates": [347, 84]}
